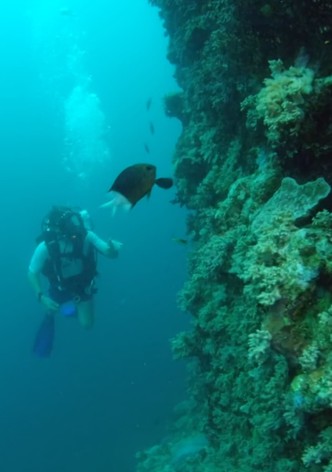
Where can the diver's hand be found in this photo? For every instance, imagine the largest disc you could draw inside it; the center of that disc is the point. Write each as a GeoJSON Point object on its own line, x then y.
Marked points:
{"type": "Point", "coordinates": [48, 303]}
{"type": "Point", "coordinates": [114, 247]}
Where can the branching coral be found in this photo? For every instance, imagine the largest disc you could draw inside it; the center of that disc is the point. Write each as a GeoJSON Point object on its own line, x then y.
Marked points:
{"type": "Point", "coordinates": [259, 344]}
{"type": "Point", "coordinates": [309, 358]}
{"type": "Point", "coordinates": [321, 452]}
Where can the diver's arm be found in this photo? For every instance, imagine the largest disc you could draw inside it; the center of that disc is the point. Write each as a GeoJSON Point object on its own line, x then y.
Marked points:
{"type": "Point", "coordinates": [109, 249]}
{"type": "Point", "coordinates": [36, 265]}
{"type": "Point", "coordinates": [35, 281]}
{"type": "Point", "coordinates": [113, 248]}
{"type": "Point", "coordinates": [34, 275]}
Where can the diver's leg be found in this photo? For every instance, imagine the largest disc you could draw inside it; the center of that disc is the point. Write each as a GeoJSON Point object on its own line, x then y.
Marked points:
{"type": "Point", "coordinates": [85, 312]}
{"type": "Point", "coordinates": [43, 343]}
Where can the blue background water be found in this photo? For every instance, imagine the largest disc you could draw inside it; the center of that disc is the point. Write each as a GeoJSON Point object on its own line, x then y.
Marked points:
{"type": "Point", "coordinates": [107, 393]}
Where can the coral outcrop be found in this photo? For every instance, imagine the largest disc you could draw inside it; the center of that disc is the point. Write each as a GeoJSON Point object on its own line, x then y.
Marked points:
{"type": "Point", "coordinates": [253, 165]}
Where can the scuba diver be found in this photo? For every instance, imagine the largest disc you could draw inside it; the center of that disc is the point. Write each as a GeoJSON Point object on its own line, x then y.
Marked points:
{"type": "Point", "coordinates": [66, 255]}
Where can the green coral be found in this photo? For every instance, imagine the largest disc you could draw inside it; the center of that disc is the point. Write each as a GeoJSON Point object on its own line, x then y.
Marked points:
{"type": "Point", "coordinates": [174, 106]}
{"type": "Point", "coordinates": [312, 391]}
{"type": "Point", "coordinates": [260, 268]}
{"type": "Point", "coordinates": [276, 260]}
{"type": "Point", "coordinates": [321, 453]}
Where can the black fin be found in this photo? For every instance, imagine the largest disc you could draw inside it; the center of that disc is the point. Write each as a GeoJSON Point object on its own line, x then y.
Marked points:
{"type": "Point", "coordinates": [164, 182]}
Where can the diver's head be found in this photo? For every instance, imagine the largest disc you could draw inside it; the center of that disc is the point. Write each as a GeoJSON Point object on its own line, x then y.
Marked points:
{"type": "Point", "coordinates": [63, 222]}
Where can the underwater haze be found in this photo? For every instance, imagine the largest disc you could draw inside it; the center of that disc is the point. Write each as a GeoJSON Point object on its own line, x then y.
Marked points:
{"type": "Point", "coordinates": [75, 80]}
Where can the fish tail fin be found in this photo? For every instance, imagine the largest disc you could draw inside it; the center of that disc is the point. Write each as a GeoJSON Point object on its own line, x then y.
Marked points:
{"type": "Point", "coordinates": [119, 201]}
{"type": "Point", "coordinates": [111, 204]}
{"type": "Point", "coordinates": [164, 182]}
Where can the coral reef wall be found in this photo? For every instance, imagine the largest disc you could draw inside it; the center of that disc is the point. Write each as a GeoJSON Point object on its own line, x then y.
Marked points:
{"type": "Point", "coordinates": [253, 165]}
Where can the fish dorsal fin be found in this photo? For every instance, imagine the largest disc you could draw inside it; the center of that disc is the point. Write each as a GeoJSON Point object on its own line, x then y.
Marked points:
{"type": "Point", "coordinates": [164, 182]}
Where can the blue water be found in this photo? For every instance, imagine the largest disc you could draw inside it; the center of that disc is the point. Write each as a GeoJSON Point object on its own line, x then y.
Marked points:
{"type": "Point", "coordinates": [107, 393]}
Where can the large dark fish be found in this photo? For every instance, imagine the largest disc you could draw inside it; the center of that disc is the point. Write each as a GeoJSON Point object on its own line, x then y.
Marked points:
{"type": "Point", "coordinates": [134, 183]}
{"type": "Point", "coordinates": [148, 103]}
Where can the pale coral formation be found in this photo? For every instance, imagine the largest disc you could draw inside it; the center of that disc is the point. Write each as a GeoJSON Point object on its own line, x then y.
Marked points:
{"type": "Point", "coordinates": [259, 344]}
{"type": "Point", "coordinates": [309, 358]}
{"type": "Point", "coordinates": [292, 201]}
{"type": "Point", "coordinates": [283, 101]}
{"type": "Point", "coordinates": [277, 260]}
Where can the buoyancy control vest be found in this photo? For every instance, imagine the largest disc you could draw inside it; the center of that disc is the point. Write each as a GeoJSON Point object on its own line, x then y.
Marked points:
{"type": "Point", "coordinates": [71, 265]}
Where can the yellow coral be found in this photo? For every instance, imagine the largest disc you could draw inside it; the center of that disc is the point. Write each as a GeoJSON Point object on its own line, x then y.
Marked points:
{"type": "Point", "coordinates": [281, 103]}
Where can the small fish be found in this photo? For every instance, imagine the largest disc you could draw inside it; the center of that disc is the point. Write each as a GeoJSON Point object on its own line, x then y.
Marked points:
{"type": "Point", "coordinates": [152, 130]}
{"type": "Point", "coordinates": [181, 241]}
{"type": "Point", "coordinates": [66, 11]}
{"type": "Point", "coordinates": [147, 149]}
{"type": "Point", "coordinates": [148, 103]}
{"type": "Point", "coordinates": [134, 183]}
